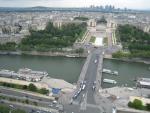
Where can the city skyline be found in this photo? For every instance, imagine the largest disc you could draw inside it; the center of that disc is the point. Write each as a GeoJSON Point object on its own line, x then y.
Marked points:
{"type": "Point", "coordinates": [130, 4]}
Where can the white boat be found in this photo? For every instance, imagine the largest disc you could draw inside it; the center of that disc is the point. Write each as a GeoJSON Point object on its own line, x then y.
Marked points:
{"type": "Point", "coordinates": [6, 72]}
{"type": "Point", "coordinates": [110, 72]}
{"type": "Point", "coordinates": [106, 71]}
{"type": "Point", "coordinates": [115, 72]}
{"type": "Point", "coordinates": [31, 72]}
{"type": "Point", "coordinates": [71, 56]}
{"type": "Point", "coordinates": [109, 81]}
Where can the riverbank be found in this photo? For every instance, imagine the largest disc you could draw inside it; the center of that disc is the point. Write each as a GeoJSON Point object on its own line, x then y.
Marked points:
{"type": "Point", "coordinates": [137, 60]}
{"type": "Point", "coordinates": [36, 53]}
{"type": "Point", "coordinates": [120, 97]}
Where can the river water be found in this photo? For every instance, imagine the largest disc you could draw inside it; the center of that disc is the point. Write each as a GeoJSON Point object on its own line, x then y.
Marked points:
{"type": "Point", "coordinates": [128, 72]}
{"type": "Point", "coordinates": [69, 68]}
{"type": "Point", "coordinates": [57, 67]}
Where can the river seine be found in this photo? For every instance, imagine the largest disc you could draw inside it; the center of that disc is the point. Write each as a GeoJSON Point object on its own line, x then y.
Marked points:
{"type": "Point", "coordinates": [69, 68]}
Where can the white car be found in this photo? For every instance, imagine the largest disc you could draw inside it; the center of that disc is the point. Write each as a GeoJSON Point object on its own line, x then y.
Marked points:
{"type": "Point", "coordinates": [79, 91]}
{"type": "Point", "coordinates": [114, 110]}
{"type": "Point", "coordinates": [83, 86]}
{"type": "Point", "coordinates": [95, 61]}
{"type": "Point", "coordinates": [54, 102]}
{"type": "Point", "coordinates": [11, 106]}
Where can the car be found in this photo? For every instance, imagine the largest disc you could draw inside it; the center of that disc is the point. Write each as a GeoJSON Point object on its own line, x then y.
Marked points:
{"type": "Point", "coordinates": [103, 53]}
{"type": "Point", "coordinates": [81, 83]}
{"type": "Point", "coordinates": [38, 111]}
{"type": "Point", "coordinates": [50, 105]}
{"type": "Point", "coordinates": [79, 91]}
{"type": "Point", "coordinates": [83, 87]}
{"type": "Point", "coordinates": [11, 106]}
{"type": "Point", "coordinates": [75, 96]}
{"type": "Point", "coordinates": [54, 102]}
{"type": "Point", "coordinates": [95, 61]}
{"type": "Point", "coordinates": [83, 95]}
{"type": "Point", "coordinates": [114, 110]}
{"type": "Point", "coordinates": [33, 110]}
{"type": "Point", "coordinates": [94, 86]}
{"type": "Point", "coordinates": [71, 102]}
{"type": "Point", "coordinates": [1, 101]}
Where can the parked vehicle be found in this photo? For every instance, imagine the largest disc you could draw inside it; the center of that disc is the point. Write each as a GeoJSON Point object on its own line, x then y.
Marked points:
{"type": "Point", "coordinates": [94, 86]}
{"type": "Point", "coordinates": [95, 61]}
{"type": "Point", "coordinates": [83, 85]}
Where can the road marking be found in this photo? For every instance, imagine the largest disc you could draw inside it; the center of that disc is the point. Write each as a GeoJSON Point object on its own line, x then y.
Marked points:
{"type": "Point", "coordinates": [83, 105]}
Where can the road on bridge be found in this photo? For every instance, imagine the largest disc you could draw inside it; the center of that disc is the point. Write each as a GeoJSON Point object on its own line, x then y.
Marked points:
{"type": "Point", "coordinates": [85, 102]}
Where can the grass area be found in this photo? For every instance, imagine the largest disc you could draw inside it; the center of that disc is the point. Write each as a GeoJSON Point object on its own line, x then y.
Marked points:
{"type": "Point", "coordinates": [105, 41]}
{"type": "Point", "coordinates": [92, 39]}
{"type": "Point", "coordinates": [6, 109]}
{"type": "Point", "coordinates": [31, 87]}
{"type": "Point", "coordinates": [121, 54]}
{"type": "Point", "coordinates": [23, 100]}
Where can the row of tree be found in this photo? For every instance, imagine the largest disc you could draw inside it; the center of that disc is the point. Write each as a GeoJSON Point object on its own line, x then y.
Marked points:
{"type": "Point", "coordinates": [11, 46]}
{"type": "Point", "coordinates": [30, 87]}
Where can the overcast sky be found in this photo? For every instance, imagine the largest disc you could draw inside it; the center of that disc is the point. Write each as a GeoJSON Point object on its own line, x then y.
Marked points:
{"type": "Point", "coordinates": [132, 4]}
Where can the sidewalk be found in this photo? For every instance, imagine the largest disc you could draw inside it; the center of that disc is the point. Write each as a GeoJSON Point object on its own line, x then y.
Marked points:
{"type": "Point", "coordinates": [28, 92]}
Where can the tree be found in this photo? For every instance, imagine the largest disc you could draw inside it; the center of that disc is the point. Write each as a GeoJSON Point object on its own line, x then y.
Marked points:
{"type": "Point", "coordinates": [148, 107]}
{"type": "Point", "coordinates": [32, 87]}
{"type": "Point", "coordinates": [137, 104]}
{"type": "Point", "coordinates": [35, 103]}
{"type": "Point", "coordinates": [130, 104]}
{"type": "Point", "coordinates": [80, 50]}
{"type": "Point", "coordinates": [134, 39]}
{"type": "Point", "coordinates": [27, 101]}
{"type": "Point", "coordinates": [43, 91]}
{"type": "Point", "coordinates": [25, 87]}
{"type": "Point", "coordinates": [4, 109]}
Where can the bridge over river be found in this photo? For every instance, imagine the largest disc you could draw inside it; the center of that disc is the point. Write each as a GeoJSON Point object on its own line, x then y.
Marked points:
{"type": "Point", "coordinates": [89, 101]}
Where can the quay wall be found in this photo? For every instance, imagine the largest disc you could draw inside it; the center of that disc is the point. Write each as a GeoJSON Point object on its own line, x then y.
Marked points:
{"type": "Point", "coordinates": [36, 53]}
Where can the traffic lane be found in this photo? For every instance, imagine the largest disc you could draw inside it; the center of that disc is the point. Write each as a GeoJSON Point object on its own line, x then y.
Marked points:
{"type": "Point", "coordinates": [20, 94]}
{"type": "Point", "coordinates": [90, 74]}
{"type": "Point", "coordinates": [76, 109]}
{"type": "Point", "coordinates": [39, 102]}
{"type": "Point", "coordinates": [79, 98]}
{"type": "Point", "coordinates": [90, 78]}
{"type": "Point", "coordinates": [27, 109]}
